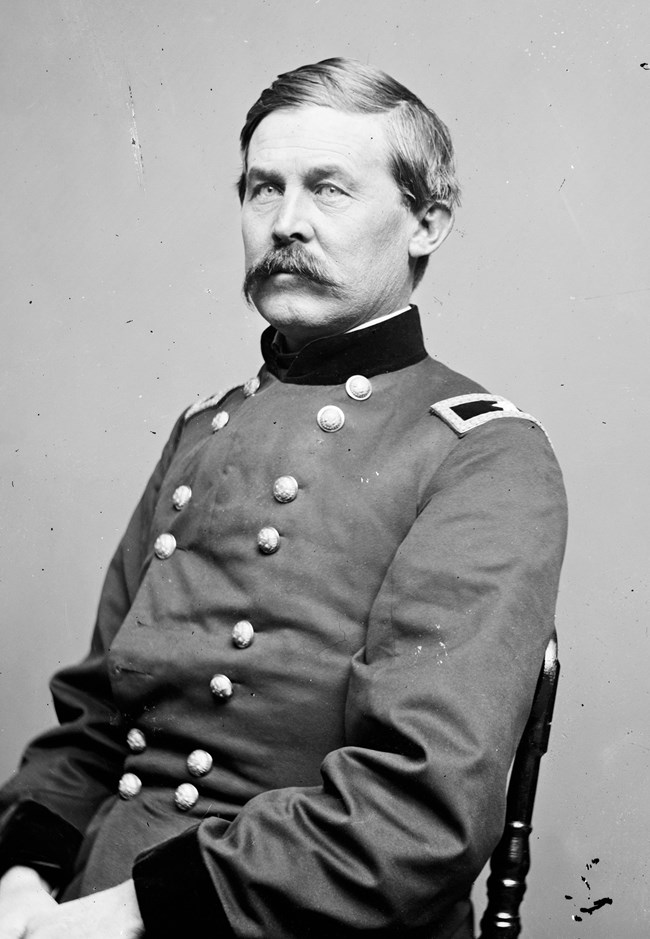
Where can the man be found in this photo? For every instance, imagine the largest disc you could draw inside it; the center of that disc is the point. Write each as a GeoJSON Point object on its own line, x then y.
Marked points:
{"type": "Point", "coordinates": [319, 638]}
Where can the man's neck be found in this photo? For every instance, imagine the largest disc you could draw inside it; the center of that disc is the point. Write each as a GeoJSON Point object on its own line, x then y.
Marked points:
{"type": "Point", "coordinates": [291, 347]}
{"type": "Point", "coordinates": [388, 343]}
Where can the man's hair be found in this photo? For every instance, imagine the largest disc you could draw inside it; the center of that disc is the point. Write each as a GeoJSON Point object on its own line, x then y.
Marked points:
{"type": "Point", "coordinates": [421, 153]}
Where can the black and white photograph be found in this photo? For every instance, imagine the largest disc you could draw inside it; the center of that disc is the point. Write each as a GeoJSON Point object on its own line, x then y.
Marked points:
{"type": "Point", "coordinates": [324, 565]}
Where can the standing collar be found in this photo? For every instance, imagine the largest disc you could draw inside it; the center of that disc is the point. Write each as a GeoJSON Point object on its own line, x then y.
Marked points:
{"type": "Point", "coordinates": [382, 347]}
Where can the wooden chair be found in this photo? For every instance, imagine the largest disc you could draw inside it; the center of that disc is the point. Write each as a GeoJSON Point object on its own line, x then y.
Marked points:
{"type": "Point", "coordinates": [511, 858]}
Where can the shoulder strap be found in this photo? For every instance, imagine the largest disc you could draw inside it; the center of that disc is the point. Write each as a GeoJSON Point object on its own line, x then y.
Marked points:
{"type": "Point", "coordinates": [209, 402]}
{"type": "Point", "coordinates": [465, 412]}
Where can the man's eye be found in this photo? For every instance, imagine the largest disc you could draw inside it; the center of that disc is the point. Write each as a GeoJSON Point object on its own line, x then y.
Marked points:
{"type": "Point", "coordinates": [264, 192]}
{"type": "Point", "coordinates": [329, 193]}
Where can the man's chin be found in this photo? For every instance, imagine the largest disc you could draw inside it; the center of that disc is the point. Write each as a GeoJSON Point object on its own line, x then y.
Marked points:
{"type": "Point", "coordinates": [290, 309]}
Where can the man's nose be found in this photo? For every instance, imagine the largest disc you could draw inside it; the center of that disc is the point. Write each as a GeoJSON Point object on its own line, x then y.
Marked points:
{"type": "Point", "coordinates": [292, 220]}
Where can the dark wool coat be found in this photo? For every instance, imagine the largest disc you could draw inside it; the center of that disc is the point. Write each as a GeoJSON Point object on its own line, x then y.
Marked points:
{"type": "Point", "coordinates": [342, 624]}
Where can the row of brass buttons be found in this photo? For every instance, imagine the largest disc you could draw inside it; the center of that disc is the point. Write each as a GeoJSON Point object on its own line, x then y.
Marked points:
{"type": "Point", "coordinates": [330, 419]}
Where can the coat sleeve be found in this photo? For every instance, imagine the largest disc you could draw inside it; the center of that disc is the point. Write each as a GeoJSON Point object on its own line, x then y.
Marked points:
{"type": "Point", "coordinates": [411, 807]}
{"type": "Point", "coordinates": [67, 772]}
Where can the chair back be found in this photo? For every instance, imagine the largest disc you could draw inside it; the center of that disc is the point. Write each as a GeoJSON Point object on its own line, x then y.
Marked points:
{"type": "Point", "coordinates": [510, 861]}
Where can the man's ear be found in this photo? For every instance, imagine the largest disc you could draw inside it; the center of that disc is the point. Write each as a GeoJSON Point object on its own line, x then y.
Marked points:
{"type": "Point", "coordinates": [434, 224]}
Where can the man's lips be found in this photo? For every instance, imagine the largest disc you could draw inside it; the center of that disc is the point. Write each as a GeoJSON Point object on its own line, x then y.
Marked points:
{"type": "Point", "coordinates": [277, 274]}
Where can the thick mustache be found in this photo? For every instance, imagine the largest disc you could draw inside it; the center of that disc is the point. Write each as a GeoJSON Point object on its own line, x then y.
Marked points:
{"type": "Point", "coordinates": [285, 261]}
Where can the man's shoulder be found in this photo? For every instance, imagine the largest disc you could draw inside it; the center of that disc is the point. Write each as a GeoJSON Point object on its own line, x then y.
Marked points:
{"type": "Point", "coordinates": [210, 401]}
{"type": "Point", "coordinates": [464, 405]}
{"type": "Point", "coordinates": [489, 438]}
{"type": "Point", "coordinates": [443, 382]}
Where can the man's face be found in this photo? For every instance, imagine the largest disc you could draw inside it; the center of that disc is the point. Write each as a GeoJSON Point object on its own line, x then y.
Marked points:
{"type": "Point", "coordinates": [327, 233]}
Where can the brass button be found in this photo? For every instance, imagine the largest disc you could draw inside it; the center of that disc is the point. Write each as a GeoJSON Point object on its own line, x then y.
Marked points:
{"type": "Point", "coordinates": [330, 418]}
{"type": "Point", "coordinates": [251, 386]}
{"type": "Point", "coordinates": [221, 687]}
{"type": "Point", "coordinates": [358, 387]}
{"type": "Point", "coordinates": [136, 741]}
{"type": "Point", "coordinates": [243, 634]}
{"type": "Point", "coordinates": [129, 786]}
{"type": "Point", "coordinates": [181, 496]}
{"type": "Point", "coordinates": [199, 762]}
{"type": "Point", "coordinates": [220, 420]}
{"type": "Point", "coordinates": [268, 540]}
{"type": "Point", "coordinates": [285, 489]}
{"type": "Point", "coordinates": [164, 546]}
{"type": "Point", "coordinates": [186, 796]}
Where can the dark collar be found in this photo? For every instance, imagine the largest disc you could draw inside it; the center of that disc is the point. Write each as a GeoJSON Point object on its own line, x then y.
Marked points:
{"type": "Point", "coordinates": [331, 360]}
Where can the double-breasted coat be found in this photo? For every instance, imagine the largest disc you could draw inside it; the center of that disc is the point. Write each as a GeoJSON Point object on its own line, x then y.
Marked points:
{"type": "Point", "coordinates": [315, 652]}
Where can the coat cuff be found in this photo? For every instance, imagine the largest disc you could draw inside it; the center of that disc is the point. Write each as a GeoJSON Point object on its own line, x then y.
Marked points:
{"type": "Point", "coordinates": [33, 836]}
{"type": "Point", "coordinates": [175, 893]}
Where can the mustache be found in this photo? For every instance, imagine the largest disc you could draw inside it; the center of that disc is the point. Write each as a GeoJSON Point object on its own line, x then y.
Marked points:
{"type": "Point", "coordinates": [294, 260]}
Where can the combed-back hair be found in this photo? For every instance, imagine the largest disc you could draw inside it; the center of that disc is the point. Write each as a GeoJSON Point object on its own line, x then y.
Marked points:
{"type": "Point", "coordinates": [421, 152]}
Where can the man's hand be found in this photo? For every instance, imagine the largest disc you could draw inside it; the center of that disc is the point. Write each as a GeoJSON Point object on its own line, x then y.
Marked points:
{"type": "Point", "coordinates": [23, 895]}
{"type": "Point", "coordinates": [110, 914]}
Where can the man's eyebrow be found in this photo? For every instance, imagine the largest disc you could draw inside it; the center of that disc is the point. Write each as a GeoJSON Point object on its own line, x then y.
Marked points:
{"type": "Point", "coordinates": [334, 170]}
{"type": "Point", "coordinates": [314, 174]}
{"type": "Point", "coordinates": [255, 174]}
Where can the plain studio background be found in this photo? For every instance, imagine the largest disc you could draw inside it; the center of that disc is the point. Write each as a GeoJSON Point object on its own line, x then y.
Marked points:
{"type": "Point", "coordinates": [121, 281]}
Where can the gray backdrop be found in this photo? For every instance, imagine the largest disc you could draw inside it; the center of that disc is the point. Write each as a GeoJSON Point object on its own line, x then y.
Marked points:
{"type": "Point", "coordinates": [121, 305]}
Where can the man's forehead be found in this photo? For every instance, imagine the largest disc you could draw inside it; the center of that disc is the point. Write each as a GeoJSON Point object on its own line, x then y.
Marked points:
{"type": "Point", "coordinates": [316, 132]}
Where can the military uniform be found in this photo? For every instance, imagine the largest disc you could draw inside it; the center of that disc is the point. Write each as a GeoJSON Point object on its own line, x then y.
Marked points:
{"type": "Point", "coordinates": [315, 652]}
